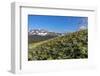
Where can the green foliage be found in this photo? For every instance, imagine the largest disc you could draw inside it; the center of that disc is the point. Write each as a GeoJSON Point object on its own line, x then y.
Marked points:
{"type": "Point", "coordinates": [71, 46]}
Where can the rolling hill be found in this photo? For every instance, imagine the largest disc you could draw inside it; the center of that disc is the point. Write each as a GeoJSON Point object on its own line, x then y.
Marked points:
{"type": "Point", "coordinates": [71, 46]}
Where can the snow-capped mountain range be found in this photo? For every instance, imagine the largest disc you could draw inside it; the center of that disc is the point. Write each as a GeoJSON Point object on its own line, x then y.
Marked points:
{"type": "Point", "coordinates": [41, 32]}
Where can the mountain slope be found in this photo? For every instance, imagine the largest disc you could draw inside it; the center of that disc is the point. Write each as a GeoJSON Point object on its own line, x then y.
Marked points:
{"type": "Point", "coordinates": [71, 46]}
{"type": "Point", "coordinates": [38, 35]}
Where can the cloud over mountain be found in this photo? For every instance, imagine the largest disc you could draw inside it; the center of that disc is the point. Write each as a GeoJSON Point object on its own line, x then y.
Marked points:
{"type": "Point", "coordinates": [82, 27]}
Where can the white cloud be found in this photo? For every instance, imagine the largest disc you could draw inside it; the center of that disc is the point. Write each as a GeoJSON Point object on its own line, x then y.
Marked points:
{"type": "Point", "coordinates": [82, 27]}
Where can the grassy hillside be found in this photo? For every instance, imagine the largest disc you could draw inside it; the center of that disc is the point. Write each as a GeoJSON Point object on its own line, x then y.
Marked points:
{"type": "Point", "coordinates": [71, 46]}
{"type": "Point", "coordinates": [37, 38]}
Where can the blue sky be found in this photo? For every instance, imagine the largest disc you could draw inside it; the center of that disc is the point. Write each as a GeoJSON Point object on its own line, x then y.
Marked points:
{"type": "Point", "coordinates": [60, 24]}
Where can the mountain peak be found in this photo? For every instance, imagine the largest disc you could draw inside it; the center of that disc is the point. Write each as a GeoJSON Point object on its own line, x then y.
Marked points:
{"type": "Point", "coordinates": [41, 32]}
